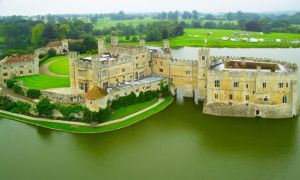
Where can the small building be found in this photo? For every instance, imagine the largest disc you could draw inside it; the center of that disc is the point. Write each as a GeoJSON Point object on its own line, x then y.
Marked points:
{"type": "Point", "coordinates": [18, 65]}
{"type": "Point", "coordinates": [60, 47]}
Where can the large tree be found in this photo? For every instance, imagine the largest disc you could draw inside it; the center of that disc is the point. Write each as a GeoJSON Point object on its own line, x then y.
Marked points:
{"type": "Point", "coordinates": [37, 34]}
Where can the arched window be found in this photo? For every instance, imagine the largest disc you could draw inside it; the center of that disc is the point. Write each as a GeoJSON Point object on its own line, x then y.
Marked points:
{"type": "Point", "coordinates": [266, 98]}
{"type": "Point", "coordinates": [284, 99]}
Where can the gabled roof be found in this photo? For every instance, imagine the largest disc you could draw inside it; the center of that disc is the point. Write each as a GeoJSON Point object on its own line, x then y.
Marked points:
{"type": "Point", "coordinates": [19, 58]}
{"type": "Point", "coordinates": [54, 44]}
{"type": "Point", "coordinates": [95, 93]}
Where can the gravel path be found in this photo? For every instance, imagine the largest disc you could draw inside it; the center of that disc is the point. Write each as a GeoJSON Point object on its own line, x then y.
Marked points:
{"type": "Point", "coordinates": [44, 69]}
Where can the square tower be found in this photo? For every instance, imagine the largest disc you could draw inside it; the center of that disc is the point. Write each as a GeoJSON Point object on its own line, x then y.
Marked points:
{"type": "Point", "coordinates": [114, 40]}
{"type": "Point", "coordinates": [101, 46]}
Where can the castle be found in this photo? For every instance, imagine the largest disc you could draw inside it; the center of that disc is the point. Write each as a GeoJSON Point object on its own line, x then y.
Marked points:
{"type": "Point", "coordinates": [229, 86]}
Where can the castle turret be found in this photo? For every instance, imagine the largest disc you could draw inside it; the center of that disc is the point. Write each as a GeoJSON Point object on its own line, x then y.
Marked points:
{"type": "Point", "coordinates": [72, 58]}
{"type": "Point", "coordinates": [166, 44]}
{"type": "Point", "coordinates": [101, 46]}
{"type": "Point", "coordinates": [65, 44]}
{"type": "Point", "coordinates": [142, 42]}
{"type": "Point", "coordinates": [114, 40]}
{"type": "Point", "coordinates": [203, 65]}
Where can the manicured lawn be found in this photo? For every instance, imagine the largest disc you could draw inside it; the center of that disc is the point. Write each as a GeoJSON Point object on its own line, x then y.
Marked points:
{"type": "Point", "coordinates": [48, 60]}
{"type": "Point", "coordinates": [86, 129]}
{"type": "Point", "coordinates": [60, 67]}
{"type": "Point", "coordinates": [123, 112]}
{"type": "Point", "coordinates": [107, 22]}
{"type": "Point", "coordinates": [43, 81]}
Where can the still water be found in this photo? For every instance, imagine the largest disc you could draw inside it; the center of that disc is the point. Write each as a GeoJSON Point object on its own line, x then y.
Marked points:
{"type": "Point", "coordinates": [177, 143]}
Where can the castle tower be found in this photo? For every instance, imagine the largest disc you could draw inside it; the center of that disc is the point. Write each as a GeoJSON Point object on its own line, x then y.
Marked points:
{"type": "Point", "coordinates": [203, 66]}
{"type": "Point", "coordinates": [101, 46]}
{"type": "Point", "coordinates": [36, 62]}
{"type": "Point", "coordinates": [65, 45]}
{"type": "Point", "coordinates": [142, 42]}
{"type": "Point", "coordinates": [72, 59]}
{"type": "Point", "coordinates": [166, 44]}
{"type": "Point", "coordinates": [114, 40]}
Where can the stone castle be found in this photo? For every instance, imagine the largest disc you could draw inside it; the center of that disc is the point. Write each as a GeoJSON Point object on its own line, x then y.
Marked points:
{"type": "Point", "coordinates": [229, 86]}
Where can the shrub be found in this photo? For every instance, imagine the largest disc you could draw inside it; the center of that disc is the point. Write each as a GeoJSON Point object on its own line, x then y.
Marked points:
{"type": "Point", "coordinates": [33, 93]}
{"type": "Point", "coordinates": [21, 108]}
{"type": "Point", "coordinates": [51, 52]}
{"type": "Point", "coordinates": [18, 89]}
{"type": "Point", "coordinates": [44, 108]}
{"type": "Point", "coordinates": [6, 104]}
{"type": "Point", "coordinates": [10, 83]}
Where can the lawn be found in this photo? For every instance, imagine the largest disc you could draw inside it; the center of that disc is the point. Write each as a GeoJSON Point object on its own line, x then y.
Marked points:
{"type": "Point", "coordinates": [195, 38]}
{"type": "Point", "coordinates": [123, 112]}
{"type": "Point", "coordinates": [48, 60]}
{"type": "Point", "coordinates": [86, 129]}
{"type": "Point", "coordinates": [43, 81]}
{"type": "Point", "coordinates": [60, 67]}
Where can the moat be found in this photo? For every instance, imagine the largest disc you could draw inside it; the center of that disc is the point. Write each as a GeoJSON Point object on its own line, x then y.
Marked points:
{"type": "Point", "coordinates": [178, 143]}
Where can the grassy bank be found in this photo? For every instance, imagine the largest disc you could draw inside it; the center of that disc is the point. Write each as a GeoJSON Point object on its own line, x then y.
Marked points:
{"type": "Point", "coordinates": [48, 60]}
{"type": "Point", "coordinates": [60, 67]}
{"type": "Point", "coordinates": [86, 129]}
{"type": "Point", "coordinates": [43, 81]}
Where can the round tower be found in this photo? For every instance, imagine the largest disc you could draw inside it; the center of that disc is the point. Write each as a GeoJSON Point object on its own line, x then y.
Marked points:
{"type": "Point", "coordinates": [72, 59]}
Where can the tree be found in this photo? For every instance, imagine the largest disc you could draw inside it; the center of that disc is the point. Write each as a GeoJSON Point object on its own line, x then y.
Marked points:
{"type": "Point", "coordinates": [210, 25]}
{"type": "Point", "coordinates": [49, 33]}
{"type": "Point", "coordinates": [51, 52]}
{"type": "Point", "coordinates": [10, 83]}
{"type": "Point", "coordinates": [37, 34]}
{"type": "Point", "coordinates": [64, 30]}
{"type": "Point", "coordinates": [195, 15]}
{"type": "Point", "coordinates": [253, 26]}
{"type": "Point", "coordinates": [44, 108]}
{"type": "Point", "coordinates": [22, 108]}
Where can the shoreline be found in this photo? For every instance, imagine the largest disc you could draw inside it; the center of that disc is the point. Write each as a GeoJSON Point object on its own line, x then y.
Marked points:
{"type": "Point", "coordinates": [86, 128]}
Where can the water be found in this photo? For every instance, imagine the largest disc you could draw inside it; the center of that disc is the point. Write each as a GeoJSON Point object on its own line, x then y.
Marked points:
{"type": "Point", "coordinates": [178, 143]}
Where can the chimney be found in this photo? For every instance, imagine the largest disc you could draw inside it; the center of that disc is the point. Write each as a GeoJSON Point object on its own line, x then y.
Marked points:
{"type": "Point", "coordinates": [114, 40]}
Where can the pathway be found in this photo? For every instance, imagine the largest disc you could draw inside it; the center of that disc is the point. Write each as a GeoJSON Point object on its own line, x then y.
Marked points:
{"type": "Point", "coordinates": [44, 69]}
{"type": "Point", "coordinates": [9, 92]}
{"type": "Point", "coordinates": [85, 124]}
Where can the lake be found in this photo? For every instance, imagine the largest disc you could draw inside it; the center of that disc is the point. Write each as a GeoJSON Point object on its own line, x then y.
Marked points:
{"type": "Point", "coordinates": [178, 143]}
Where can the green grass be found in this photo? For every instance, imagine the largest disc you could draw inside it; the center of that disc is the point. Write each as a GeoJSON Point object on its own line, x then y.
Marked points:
{"type": "Point", "coordinates": [123, 112]}
{"type": "Point", "coordinates": [48, 60]}
{"type": "Point", "coordinates": [107, 22]}
{"type": "Point", "coordinates": [43, 81]}
{"type": "Point", "coordinates": [86, 129]}
{"type": "Point", "coordinates": [195, 38]}
{"type": "Point", "coordinates": [60, 67]}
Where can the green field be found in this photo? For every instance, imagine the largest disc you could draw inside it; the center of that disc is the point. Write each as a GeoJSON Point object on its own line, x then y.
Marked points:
{"type": "Point", "coordinates": [60, 67]}
{"type": "Point", "coordinates": [43, 81]}
{"type": "Point", "coordinates": [86, 129]}
{"type": "Point", "coordinates": [195, 38]}
{"type": "Point", "coordinates": [48, 60]}
{"type": "Point", "coordinates": [107, 22]}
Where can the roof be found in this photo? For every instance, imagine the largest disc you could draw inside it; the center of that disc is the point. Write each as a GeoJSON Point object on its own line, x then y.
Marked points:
{"type": "Point", "coordinates": [54, 44]}
{"type": "Point", "coordinates": [19, 58]}
{"type": "Point", "coordinates": [95, 93]}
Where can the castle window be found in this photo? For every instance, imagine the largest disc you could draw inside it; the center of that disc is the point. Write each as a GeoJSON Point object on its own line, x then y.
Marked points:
{"type": "Point", "coordinates": [247, 97]}
{"type": "Point", "coordinates": [264, 85]}
{"type": "Point", "coordinates": [203, 75]}
{"type": "Point", "coordinates": [247, 86]}
{"type": "Point", "coordinates": [136, 65]}
{"type": "Point", "coordinates": [161, 70]}
{"type": "Point", "coordinates": [203, 57]}
{"type": "Point", "coordinates": [161, 63]}
{"type": "Point", "coordinates": [217, 83]}
{"type": "Point", "coordinates": [236, 84]}
{"type": "Point", "coordinates": [4, 74]}
{"type": "Point", "coordinates": [21, 72]}
{"type": "Point", "coordinates": [188, 72]}
{"type": "Point", "coordinates": [216, 96]}
{"type": "Point", "coordinates": [104, 73]}
{"type": "Point", "coordinates": [123, 70]}
{"type": "Point", "coordinates": [143, 56]}
{"type": "Point", "coordinates": [287, 85]}
{"type": "Point", "coordinates": [266, 99]}
{"type": "Point", "coordinates": [284, 99]}
{"type": "Point", "coordinates": [30, 71]}
{"type": "Point", "coordinates": [230, 96]}
{"type": "Point", "coordinates": [280, 85]}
